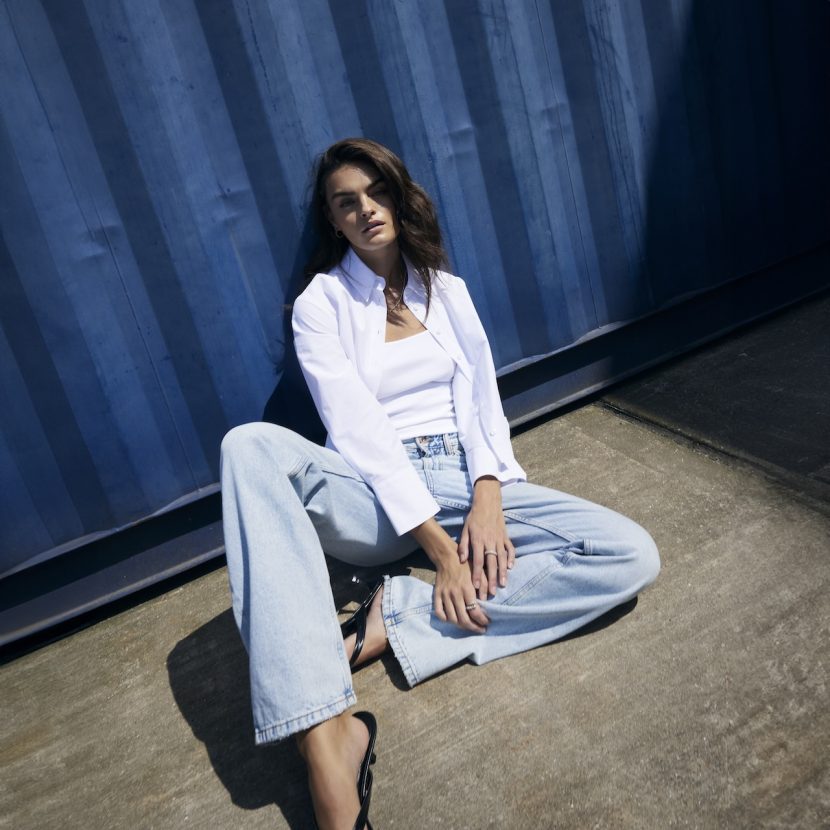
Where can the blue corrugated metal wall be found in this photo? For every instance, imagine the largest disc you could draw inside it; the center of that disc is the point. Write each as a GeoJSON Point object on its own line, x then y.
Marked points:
{"type": "Point", "coordinates": [592, 161]}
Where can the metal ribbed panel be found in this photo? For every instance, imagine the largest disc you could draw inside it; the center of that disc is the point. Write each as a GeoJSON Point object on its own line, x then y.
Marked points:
{"type": "Point", "coordinates": [591, 161]}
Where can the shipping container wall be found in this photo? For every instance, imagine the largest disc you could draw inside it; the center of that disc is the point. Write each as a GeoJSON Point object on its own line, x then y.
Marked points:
{"type": "Point", "coordinates": [592, 163]}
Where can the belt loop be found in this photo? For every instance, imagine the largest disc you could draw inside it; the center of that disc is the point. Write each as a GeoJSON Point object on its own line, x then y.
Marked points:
{"type": "Point", "coordinates": [448, 448]}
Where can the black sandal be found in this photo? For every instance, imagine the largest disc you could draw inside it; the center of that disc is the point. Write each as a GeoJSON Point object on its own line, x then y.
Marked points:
{"type": "Point", "coordinates": [365, 779]}
{"type": "Point", "coordinates": [357, 622]}
{"type": "Point", "coordinates": [362, 821]}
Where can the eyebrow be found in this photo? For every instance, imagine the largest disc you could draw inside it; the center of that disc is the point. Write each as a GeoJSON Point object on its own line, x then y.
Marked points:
{"type": "Point", "coordinates": [378, 180]}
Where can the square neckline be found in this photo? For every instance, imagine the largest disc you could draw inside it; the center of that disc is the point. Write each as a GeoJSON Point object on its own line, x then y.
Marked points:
{"type": "Point", "coordinates": [408, 337]}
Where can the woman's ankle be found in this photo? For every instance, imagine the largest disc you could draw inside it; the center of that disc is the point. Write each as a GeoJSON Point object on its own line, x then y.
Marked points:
{"type": "Point", "coordinates": [322, 738]}
{"type": "Point", "coordinates": [375, 641]}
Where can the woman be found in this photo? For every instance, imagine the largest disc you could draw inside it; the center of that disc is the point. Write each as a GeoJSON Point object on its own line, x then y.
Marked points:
{"type": "Point", "coordinates": [418, 455]}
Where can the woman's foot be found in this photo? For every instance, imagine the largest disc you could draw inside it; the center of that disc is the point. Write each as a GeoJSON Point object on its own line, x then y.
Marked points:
{"type": "Point", "coordinates": [333, 751]}
{"type": "Point", "coordinates": [375, 642]}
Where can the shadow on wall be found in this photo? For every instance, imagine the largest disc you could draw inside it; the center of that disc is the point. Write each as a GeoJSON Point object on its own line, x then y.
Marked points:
{"type": "Point", "coordinates": [291, 404]}
{"type": "Point", "coordinates": [730, 159]}
{"type": "Point", "coordinates": [736, 180]}
{"type": "Point", "coordinates": [722, 177]}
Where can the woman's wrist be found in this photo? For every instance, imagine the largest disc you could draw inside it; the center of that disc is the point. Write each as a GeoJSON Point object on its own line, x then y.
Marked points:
{"type": "Point", "coordinates": [436, 542]}
{"type": "Point", "coordinates": [487, 489]}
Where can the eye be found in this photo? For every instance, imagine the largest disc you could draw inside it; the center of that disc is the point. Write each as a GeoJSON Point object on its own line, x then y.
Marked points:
{"type": "Point", "coordinates": [346, 203]}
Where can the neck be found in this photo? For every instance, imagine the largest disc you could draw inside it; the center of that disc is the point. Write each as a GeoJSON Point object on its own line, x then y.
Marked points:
{"type": "Point", "coordinates": [385, 263]}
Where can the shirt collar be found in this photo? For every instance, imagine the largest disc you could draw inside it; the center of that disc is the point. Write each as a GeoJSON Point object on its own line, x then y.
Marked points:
{"type": "Point", "coordinates": [359, 274]}
{"type": "Point", "coordinates": [365, 279]}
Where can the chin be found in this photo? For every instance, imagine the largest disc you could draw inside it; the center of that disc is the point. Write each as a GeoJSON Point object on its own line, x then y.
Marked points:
{"type": "Point", "coordinates": [377, 242]}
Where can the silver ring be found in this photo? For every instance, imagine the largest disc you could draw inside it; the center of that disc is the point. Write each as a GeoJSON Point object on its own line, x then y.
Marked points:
{"type": "Point", "coordinates": [471, 605]}
{"type": "Point", "coordinates": [490, 553]}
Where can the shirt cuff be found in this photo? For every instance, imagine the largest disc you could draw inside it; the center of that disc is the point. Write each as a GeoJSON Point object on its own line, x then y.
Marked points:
{"type": "Point", "coordinates": [482, 461]}
{"type": "Point", "coordinates": [405, 499]}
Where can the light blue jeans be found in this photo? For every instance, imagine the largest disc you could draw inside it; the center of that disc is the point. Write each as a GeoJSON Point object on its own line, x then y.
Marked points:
{"type": "Point", "coordinates": [287, 500]}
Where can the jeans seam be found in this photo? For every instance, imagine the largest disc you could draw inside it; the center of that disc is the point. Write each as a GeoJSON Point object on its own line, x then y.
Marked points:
{"type": "Point", "coordinates": [568, 537]}
{"type": "Point", "coordinates": [395, 641]}
{"type": "Point", "coordinates": [444, 502]}
{"type": "Point", "coordinates": [404, 660]}
{"type": "Point", "coordinates": [284, 728]}
{"type": "Point", "coordinates": [555, 565]}
{"type": "Point", "coordinates": [324, 467]}
{"type": "Point", "coordinates": [418, 610]}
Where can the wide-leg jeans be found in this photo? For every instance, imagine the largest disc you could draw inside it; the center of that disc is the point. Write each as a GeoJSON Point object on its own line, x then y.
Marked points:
{"type": "Point", "coordinates": [287, 500]}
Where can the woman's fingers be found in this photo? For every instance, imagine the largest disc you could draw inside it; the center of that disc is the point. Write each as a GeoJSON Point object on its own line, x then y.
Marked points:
{"type": "Point", "coordinates": [492, 559]}
{"type": "Point", "coordinates": [464, 612]}
{"type": "Point", "coordinates": [478, 576]}
{"type": "Point", "coordinates": [464, 547]}
{"type": "Point", "coordinates": [491, 565]}
{"type": "Point", "coordinates": [511, 553]}
{"type": "Point", "coordinates": [496, 564]}
{"type": "Point", "coordinates": [502, 557]}
{"type": "Point", "coordinates": [478, 617]}
{"type": "Point", "coordinates": [454, 597]}
{"type": "Point", "coordinates": [471, 618]}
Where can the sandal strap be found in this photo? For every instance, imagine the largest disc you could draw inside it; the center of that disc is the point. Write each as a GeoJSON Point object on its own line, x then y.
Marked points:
{"type": "Point", "coordinates": [360, 623]}
{"type": "Point", "coordinates": [362, 820]}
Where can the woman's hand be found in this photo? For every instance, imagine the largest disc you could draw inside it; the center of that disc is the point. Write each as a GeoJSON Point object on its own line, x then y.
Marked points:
{"type": "Point", "coordinates": [454, 592]}
{"type": "Point", "coordinates": [485, 532]}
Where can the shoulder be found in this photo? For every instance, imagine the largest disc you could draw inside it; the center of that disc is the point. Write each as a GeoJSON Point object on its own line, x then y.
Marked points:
{"type": "Point", "coordinates": [319, 287]}
{"type": "Point", "coordinates": [452, 290]}
{"type": "Point", "coordinates": [323, 292]}
{"type": "Point", "coordinates": [459, 307]}
{"type": "Point", "coordinates": [448, 285]}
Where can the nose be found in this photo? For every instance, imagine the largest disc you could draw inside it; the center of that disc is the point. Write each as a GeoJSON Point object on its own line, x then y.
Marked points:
{"type": "Point", "coordinates": [367, 208]}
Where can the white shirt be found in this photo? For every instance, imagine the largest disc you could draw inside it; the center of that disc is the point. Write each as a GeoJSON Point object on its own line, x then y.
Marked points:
{"type": "Point", "coordinates": [339, 324]}
{"type": "Point", "coordinates": [415, 388]}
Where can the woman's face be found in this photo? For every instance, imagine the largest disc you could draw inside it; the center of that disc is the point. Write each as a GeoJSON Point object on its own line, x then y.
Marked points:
{"type": "Point", "coordinates": [358, 204]}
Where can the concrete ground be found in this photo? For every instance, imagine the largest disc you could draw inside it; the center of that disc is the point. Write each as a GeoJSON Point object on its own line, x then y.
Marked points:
{"type": "Point", "coordinates": [704, 706]}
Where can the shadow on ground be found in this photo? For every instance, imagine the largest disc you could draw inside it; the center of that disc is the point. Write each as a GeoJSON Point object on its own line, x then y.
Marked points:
{"type": "Point", "coordinates": [208, 675]}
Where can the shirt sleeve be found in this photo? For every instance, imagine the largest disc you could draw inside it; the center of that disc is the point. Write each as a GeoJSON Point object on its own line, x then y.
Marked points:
{"type": "Point", "coordinates": [482, 460]}
{"type": "Point", "coordinates": [357, 424]}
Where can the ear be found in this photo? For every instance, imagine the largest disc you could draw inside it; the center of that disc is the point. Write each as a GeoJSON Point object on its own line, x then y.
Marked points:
{"type": "Point", "coordinates": [327, 211]}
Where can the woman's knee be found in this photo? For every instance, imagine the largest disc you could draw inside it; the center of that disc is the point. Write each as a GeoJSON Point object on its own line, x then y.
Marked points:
{"type": "Point", "coordinates": [253, 442]}
{"type": "Point", "coordinates": [644, 551]}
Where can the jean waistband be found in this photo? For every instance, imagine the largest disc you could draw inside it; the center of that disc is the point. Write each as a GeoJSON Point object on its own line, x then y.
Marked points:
{"type": "Point", "coordinates": [426, 445]}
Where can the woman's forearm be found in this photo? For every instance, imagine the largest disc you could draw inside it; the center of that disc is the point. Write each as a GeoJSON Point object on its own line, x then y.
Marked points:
{"type": "Point", "coordinates": [438, 545]}
{"type": "Point", "coordinates": [487, 492]}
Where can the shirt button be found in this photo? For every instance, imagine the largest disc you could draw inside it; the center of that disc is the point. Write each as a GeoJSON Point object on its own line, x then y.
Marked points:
{"type": "Point", "coordinates": [492, 432]}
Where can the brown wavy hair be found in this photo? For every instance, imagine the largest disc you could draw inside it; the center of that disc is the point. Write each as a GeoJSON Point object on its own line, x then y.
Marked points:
{"type": "Point", "coordinates": [419, 237]}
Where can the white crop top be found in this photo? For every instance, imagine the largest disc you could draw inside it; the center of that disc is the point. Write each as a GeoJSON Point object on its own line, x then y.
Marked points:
{"type": "Point", "coordinates": [416, 386]}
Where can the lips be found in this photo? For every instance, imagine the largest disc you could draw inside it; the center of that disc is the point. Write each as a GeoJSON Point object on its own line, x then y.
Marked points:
{"type": "Point", "coordinates": [371, 226]}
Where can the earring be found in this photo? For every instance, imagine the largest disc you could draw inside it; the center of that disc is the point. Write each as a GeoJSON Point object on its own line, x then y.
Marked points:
{"type": "Point", "coordinates": [338, 233]}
